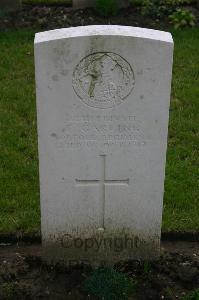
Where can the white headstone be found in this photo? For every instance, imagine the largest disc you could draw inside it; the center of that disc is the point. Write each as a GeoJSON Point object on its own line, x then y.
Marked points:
{"type": "Point", "coordinates": [103, 95]}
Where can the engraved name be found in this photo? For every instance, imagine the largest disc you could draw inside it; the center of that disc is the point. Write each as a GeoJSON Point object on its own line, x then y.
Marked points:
{"type": "Point", "coordinates": [100, 131]}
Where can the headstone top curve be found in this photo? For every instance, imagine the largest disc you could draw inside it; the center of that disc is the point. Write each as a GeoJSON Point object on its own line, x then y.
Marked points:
{"type": "Point", "coordinates": [103, 30]}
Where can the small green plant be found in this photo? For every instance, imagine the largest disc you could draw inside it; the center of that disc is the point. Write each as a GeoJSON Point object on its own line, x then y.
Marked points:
{"type": "Point", "coordinates": [168, 293]}
{"type": "Point", "coordinates": [182, 18]}
{"type": "Point", "coordinates": [107, 7]}
{"type": "Point", "coordinates": [194, 295]}
{"type": "Point", "coordinates": [108, 284]}
{"type": "Point", "coordinates": [146, 269]}
{"type": "Point", "coordinates": [8, 290]}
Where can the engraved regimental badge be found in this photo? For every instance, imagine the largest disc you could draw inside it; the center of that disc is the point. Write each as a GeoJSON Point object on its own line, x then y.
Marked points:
{"type": "Point", "coordinates": [103, 79]}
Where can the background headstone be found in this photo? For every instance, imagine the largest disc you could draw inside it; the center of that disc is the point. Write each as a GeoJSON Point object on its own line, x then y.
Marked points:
{"type": "Point", "coordinates": [92, 3]}
{"type": "Point", "coordinates": [103, 95]}
{"type": "Point", "coordinates": [83, 3]}
{"type": "Point", "coordinates": [10, 5]}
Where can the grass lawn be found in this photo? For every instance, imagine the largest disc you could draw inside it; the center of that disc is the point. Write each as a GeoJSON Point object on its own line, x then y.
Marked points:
{"type": "Point", "coordinates": [19, 193]}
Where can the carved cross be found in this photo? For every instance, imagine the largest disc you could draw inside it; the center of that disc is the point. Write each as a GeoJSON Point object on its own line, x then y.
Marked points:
{"type": "Point", "coordinates": [103, 182]}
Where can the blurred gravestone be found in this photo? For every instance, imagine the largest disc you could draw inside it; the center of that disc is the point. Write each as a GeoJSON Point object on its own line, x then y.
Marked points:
{"type": "Point", "coordinates": [83, 3]}
{"type": "Point", "coordinates": [91, 3]}
{"type": "Point", "coordinates": [10, 5]}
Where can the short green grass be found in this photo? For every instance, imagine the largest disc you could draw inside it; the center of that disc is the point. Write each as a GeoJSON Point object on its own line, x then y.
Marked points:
{"type": "Point", "coordinates": [19, 192]}
{"type": "Point", "coordinates": [181, 201]}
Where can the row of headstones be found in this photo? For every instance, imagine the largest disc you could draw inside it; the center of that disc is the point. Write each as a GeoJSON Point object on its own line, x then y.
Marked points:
{"type": "Point", "coordinates": [16, 4]}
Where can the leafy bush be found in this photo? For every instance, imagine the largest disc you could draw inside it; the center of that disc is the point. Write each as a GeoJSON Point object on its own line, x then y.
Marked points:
{"type": "Point", "coordinates": [173, 3]}
{"type": "Point", "coordinates": [193, 295]}
{"type": "Point", "coordinates": [108, 284]}
{"type": "Point", "coordinates": [162, 8]}
{"type": "Point", "coordinates": [158, 8]}
{"type": "Point", "coordinates": [107, 7]}
{"type": "Point", "coordinates": [136, 2]}
{"type": "Point", "coordinates": [182, 18]}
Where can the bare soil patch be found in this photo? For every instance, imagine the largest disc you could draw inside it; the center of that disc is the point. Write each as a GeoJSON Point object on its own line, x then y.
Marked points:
{"type": "Point", "coordinates": [24, 276]}
{"type": "Point", "coordinates": [51, 17]}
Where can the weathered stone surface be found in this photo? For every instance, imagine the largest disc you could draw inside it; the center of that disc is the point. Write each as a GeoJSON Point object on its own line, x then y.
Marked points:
{"type": "Point", "coordinates": [10, 5]}
{"type": "Point", "coordinates": [103, 96]}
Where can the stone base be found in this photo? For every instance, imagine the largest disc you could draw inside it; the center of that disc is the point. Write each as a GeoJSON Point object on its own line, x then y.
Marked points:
{"type": "Point", "coordinates": [99, 250]}
{"type": "Point", "coordinates": [92, 3]}
{"type": "Point", "coordinates": [10, 5]}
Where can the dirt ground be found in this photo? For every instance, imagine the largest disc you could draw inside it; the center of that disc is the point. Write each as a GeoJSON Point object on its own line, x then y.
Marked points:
{"type": "Point", "coordinates": [24, 276]}
{"type": "Point", "coordinates": [51, 17]}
